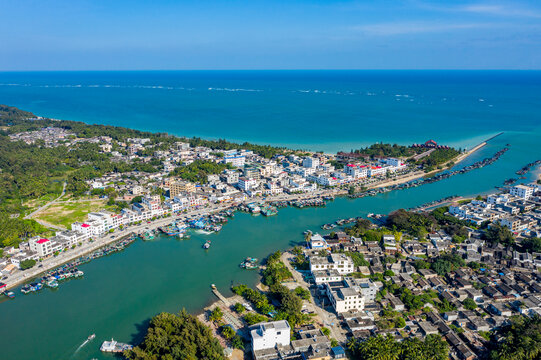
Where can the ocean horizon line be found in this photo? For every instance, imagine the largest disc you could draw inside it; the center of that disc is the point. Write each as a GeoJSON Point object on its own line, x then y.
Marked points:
{"type": "Point", "coordinates": [268, 70]}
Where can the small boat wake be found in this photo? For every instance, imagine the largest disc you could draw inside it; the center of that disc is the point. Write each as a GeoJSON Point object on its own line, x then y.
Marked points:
{"type": "Point", "coordinates": [89, 339]}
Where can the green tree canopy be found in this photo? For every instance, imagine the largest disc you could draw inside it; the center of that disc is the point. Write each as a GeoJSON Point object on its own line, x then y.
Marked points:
{"type": "Point", "coordinates": [179, 336]}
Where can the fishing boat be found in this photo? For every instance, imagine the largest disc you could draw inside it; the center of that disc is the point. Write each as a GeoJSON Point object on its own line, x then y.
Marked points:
{"type": "Point", "coordinates": [254, 208]}
{"type": "Point", "coordinates": [171, 229]}
{"type": "Point", "coordinates": [148, 235]}
{"type": "Point", "coordinates": [36, 286]}
{"type": "Point", "coordinates": [269, 211]}
{"type": "Point", "coordinates": [10, 294]}
{"type": "Point", "coordinates": [206, 245]}
{"type": "Point", "coordinates": [91, 337]}
{"type": "Point", "coordinates": [249, 263]}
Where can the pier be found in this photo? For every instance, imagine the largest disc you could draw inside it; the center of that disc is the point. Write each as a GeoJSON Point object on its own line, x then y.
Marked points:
{"type": "Point", "coordinates": [220, 296]}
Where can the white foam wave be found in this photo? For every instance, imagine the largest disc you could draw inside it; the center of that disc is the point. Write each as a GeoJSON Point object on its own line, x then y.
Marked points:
{"type": "Point", "coordinates": [233, 90]}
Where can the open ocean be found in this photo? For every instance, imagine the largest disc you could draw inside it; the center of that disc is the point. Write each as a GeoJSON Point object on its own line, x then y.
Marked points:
{"type": "Point", "coordinates": [318, 110]}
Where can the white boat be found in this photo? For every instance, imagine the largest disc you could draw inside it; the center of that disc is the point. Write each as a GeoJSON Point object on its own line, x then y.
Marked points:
{"type": "Point", "coordinates": [115, 346]}
{"type": "Point", "coordinates": [91, 337]}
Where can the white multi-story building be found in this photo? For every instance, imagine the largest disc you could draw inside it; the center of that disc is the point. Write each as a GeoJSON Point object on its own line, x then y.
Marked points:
{"type": "Point", "coordinates": [367, 289]}
{"type": "Point", "coordinates": [106, 220]}
{"type": "Point", "coordinates": [356, 171]}
{"type": "Point", "coordinates": [339, 262]}
{"type": "Point", "coordinates": [44, 247]}
{"type": "Point", "coordinates": [393, 164]}
{"type": "Point", "coordinates": [246, 184]}
{"type": "Point", "coordinates": [377, 171]}
{"type": "Point", "coordinates": [131, 216]}
{"type": "Point", "coordinates": [270, 334]}
{"type": "Point", "coordinates": [89, 228]}
{"type": "Point", "coordinates": [498, 199]}
{"type": "Point", "coordinates": [522, 191]}
{"type": "Point", "coordinates": [153, 202]}
{"type": "Point", "coordinates": [344, 298]}
{"type": "Point", "coordinates": [317, 242]}
{"type": "Point", "coordinates": [235, 159]}
{"type": "Point", "coordinates": [71, 238]}
{"type": "Point", "coordinates": [187, 200]}
{"type": "Point", "coordinates": [272, 188]}
{"type": "Point", "coordinates": [323, 179]}
{"type": "Point", "coordinates": [173, 206]}
{"type": "Point", "coordinates": [310, 162]}
{"type": "Point", "coordinates": [230, 176]}
{"type": "Point", "coordinates": [325, 276]}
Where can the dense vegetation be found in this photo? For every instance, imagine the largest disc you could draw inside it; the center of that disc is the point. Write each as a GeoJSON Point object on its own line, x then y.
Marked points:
{"type": "Point", "coordinates": [275, 271]}
{"type": "Point", "coordinates": [27, 264]}
{"type": "Point", "coordinates": [179, 336]}
{"type": "Point", "coordinates": [438, 157]}
{"type": "Point", "coordinates": [12, 113]}
{"type": "Point", "coordinates": [520, 340]}
{"type": "Point", "coordinates": [498, 234]}
{"type": "Point", "coordinates": [12, 230]}
{"type": "Point", "coordinates": [379, 347]}
{"type": "Point", "coordinates": [532, 245]}
{"type": "Point", "coordinates": [290, 302]}
{"type": "Point", "coordinates": [446, 263]}
{"type": "Point", "coordinates": [420, 224]}
{"type": "Point", "coordinates": [388, 150]}
{"type": "Point", "coordinates": [198, 170]}
{"type": "Point", "coordinates": [364, 229]}
{"type": "Point", "coordinates": [266, 151]}
{"type": "Point", "coordinates": [417, 224]}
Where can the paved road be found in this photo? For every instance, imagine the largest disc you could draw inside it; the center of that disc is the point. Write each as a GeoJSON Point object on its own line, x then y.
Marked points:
{"type": "Point", "coordinates": [325, 317]}
{"type": "Point", "coordinates": [48, 204]}
{"type": "Point", "coordinates": [22, 276]}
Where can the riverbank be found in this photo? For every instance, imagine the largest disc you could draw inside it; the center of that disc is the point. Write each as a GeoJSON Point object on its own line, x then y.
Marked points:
{"type": "Point", "coordinates": [21, 277]}
{"type": "Point", "coordinates": [419, 174]}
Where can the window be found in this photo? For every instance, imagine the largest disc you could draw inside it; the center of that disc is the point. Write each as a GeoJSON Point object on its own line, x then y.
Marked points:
{"type": "Point", "coordinates": [279, 333]}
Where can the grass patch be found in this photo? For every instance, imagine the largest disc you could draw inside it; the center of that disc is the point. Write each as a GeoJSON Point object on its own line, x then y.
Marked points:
{"type": "Point", "coordinates": [66, 213]}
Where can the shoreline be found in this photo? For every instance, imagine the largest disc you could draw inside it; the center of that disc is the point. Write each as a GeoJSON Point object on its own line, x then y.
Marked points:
{"type": "Point", "coordinates": [21, 277]}
{"type": "Point", "coordinates": [420, 174]}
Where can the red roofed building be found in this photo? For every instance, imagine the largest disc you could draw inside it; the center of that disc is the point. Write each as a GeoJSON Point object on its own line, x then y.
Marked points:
{"type": "Point", "coordinates": [44, 247]}
{"type": "Point", "coordinates": [356, 171]}
{"type": "Point", "coordinates": [376, 171]}
{"type": "Point", "coordinates": [430, 144]}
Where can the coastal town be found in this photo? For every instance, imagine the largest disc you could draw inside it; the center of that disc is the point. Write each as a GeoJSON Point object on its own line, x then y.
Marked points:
{"type": "Point", "coordinates": [189, 183]}
{"type": "Point", "coordinates": [472, 274]}
{"type": "Point", "coordinates": [446, 275]}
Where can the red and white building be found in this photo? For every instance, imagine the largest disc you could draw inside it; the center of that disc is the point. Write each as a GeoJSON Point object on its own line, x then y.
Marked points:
{"type": "Point", "coordinates": [377, 171]}
{"type": "Point", "coordinates": [44, 247]}
{"type": "Point", "coordinates": [356, 171]}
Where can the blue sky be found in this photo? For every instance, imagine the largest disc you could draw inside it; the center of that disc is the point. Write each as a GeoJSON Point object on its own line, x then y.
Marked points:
{"type": "Point", "coordinates": [258, 34]}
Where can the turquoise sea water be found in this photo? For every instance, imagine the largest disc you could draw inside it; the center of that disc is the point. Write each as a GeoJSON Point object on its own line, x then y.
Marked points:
{"type": "Point", "coordinates": [321, 110]}
{"type": "Point", "coordinates": [119, 293]}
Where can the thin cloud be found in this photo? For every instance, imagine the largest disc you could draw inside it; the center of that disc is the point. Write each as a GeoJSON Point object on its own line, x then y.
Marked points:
{"type": "Point", "coordinates": [390, 29]}
{"type": "Point", "coordinates": [489, 9]}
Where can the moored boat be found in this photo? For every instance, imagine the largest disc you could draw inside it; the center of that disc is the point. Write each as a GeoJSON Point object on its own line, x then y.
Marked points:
{"type": "Point", "coordinates": [115, 346]}
{"type": "Point", "coordinates": [249, 263]}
